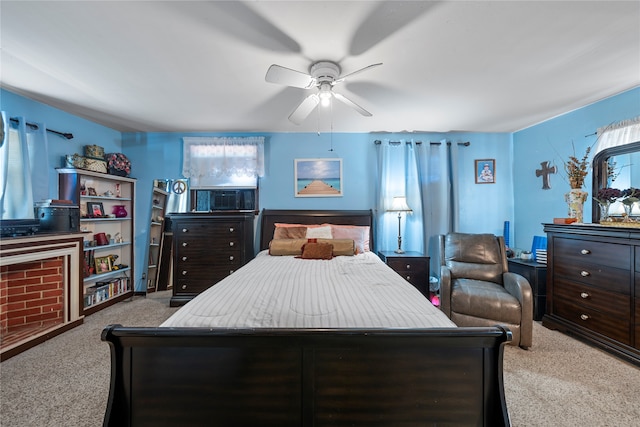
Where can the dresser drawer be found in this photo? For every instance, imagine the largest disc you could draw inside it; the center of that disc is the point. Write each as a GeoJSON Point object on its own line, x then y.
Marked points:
{"type": "Point", "coordinates": [211, 271]}
{"type": "Point", "coordinates": [596, 321]}
{"type": "Point", "coordinates": [191, 256]}
{"type": "Point", "coordinates": [613, 279]}
{"type": "Point", "coordinates": [593, 298]}
{"type": "Point", "coordinates": [587, 251]}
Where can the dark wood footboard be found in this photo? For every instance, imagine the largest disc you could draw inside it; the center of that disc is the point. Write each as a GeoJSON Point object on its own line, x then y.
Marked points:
{"type": "Point", "coordinates": [308, 377]}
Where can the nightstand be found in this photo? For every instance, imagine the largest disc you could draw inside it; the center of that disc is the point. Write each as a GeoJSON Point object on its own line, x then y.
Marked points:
{"type": "Point", "coordinates": [536, 274]}
{"type": "Point", "coordinates": [413, 266]}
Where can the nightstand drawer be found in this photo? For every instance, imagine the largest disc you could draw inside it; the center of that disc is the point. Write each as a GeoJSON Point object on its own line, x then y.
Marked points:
{"type": "Point", "coordinates": [410, 265]}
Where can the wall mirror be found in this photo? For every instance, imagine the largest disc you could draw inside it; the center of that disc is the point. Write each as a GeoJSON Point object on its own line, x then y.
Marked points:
{"type": "Point", "coordinates": [626, 159]}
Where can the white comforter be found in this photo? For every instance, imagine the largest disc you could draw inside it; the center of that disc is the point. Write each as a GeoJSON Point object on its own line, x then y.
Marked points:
{"type": "Point", "coordinates": [287, 292]}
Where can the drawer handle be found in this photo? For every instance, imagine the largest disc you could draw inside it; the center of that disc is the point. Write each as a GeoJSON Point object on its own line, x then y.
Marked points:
{"type": "Point", "coordinates": [184, 245]}
{"type": "Point", "coordinates": [184, 258]}
{"type": "Point", "coordinates": [584, 317]}
{"type": "Point", "coordinates": [408, 266]}
{"type": "Point", "coordinates": [230, 243]}
{"type": "Point", "coordinates": [585, 252]}
{"type": "Point", "coordinates": [231, 258]}
{"type": "Point", "coordinates": [184, 272]}
{"type": "Point", "coordinates": [230, 229]}
{"type": "Point", "coordinates": [231, 271]}
{"type": "Point", "coordinates": [184, 230]}
{"type": "Point", "coordinates": [408, 278]}
{"type": "Point", "coordinates": [585, 273]}
{"type": "Point", "coordinates": [184, 286]}
{"type": "Point", "coordinates": [584, 295]}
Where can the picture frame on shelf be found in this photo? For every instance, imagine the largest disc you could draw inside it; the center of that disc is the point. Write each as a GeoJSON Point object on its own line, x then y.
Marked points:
{"type": "Point", "coordinates": [103, 264]}
{"type": "Point", "coordinates": [95, 209]}
{"type": "Point", "coordinates": [485, 171]}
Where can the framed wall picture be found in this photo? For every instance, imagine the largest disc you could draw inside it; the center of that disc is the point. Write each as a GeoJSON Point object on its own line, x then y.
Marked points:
{"type": "Point", "coordinates": [103, 264]}
{"type": "Point", "coordinates": [318, 177]}
{"type": "Point", "coordinates": [95, 209]}
{"type": "Point", "coordinates": [485, 170]}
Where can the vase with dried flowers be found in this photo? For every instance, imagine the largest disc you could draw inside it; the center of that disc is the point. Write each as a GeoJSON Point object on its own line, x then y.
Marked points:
{"type": "Point", "coordinates": [576, 170]}
{"type": "Point", "coordinates": [630, 197]}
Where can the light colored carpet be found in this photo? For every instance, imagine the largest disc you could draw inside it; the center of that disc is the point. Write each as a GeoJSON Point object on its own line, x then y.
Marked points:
{"type": "Point", "coordinates": [558, 382]}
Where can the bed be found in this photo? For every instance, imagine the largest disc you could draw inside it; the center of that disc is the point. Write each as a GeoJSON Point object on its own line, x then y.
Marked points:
{"type": "Point", "coordinates": [318, 365]}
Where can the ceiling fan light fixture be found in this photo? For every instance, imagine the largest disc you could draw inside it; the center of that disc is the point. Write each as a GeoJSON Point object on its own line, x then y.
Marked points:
{"type": "Point", "coordinates": [325, 94]}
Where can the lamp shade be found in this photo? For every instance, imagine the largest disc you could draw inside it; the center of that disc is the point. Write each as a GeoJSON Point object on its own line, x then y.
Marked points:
{"type": "Point", "coordinates": [399, 204]}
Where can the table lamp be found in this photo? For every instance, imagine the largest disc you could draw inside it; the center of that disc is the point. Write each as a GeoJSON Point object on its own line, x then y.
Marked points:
{"type": "Point", "coordinates": [399, 205]}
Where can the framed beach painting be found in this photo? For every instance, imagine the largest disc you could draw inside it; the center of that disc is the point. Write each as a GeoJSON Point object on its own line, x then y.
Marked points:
{"type": "Point", "coordinates": [485, 171]}
{"type": "Point", "coordinates": [318, 177]}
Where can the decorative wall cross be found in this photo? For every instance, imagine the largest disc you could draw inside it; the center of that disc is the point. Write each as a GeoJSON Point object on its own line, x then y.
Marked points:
{"type": "Point", "coordinates": [544, 172]}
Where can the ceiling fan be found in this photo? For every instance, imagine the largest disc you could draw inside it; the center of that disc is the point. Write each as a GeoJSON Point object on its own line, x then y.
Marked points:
{"type": "Point", "coordinates": [322, 75]}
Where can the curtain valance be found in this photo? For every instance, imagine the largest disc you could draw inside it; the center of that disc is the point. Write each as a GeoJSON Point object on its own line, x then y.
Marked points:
{"type": "Point", "coordinates": [209, 157]}
{"type": "Point", "coordinates": [621, 133]}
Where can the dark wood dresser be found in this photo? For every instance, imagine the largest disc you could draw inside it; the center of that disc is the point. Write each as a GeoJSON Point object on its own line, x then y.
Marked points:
{"type": "Point", "coordinates": [593, 285]}
{"type": "Point", "coordinates": [207, 247]}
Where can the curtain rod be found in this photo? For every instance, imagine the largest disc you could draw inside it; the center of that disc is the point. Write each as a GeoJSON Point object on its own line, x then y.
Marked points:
{"type": "Point", "coordinates": [36, 127]}
{"type": "Point", "coordinates": [465, 144]}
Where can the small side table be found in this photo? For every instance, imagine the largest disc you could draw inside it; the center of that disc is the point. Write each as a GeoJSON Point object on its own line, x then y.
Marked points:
{"type": "Point", "coordinates": [536, 274]}
{"type": "Point", "coordinates": [413, 266]}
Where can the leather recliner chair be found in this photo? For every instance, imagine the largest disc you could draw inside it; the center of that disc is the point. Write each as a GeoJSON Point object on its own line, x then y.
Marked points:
{"type": "Point", "coordinates": [476, 288]}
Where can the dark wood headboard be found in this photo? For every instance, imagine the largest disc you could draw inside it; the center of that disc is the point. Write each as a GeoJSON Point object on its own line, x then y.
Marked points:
{"type": "Point", "coordinates": [271, 216]}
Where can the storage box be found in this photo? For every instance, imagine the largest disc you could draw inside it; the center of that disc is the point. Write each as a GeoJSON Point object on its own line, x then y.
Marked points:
{"type": "Point", "coordinates": [95, 165]}
{"type": "Point", "coordinates": [94, 151]}
{"type": "Point", "coordinates": [58, 218]}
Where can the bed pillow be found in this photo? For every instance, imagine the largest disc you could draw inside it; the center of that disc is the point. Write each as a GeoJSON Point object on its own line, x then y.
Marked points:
{"type": "Point", "coordinates": [317, 251]}
{"type": "Point", "coordinates": [359, 234]}
{"type": "Point", "coordinates": [323, 232]}
{"type": "Point", "coordinates": [341, 247]}
{"type": "Point", "coordinates": [280, 247]}
{"type": "Point", "coordinates": [290, 232]}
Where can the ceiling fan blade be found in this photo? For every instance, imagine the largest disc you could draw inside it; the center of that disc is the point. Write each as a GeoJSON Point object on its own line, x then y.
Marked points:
{"type": "Point", "coordinates": [352, 104]}
{"type": "Point", "coordinates": [288, 77]}
{"type": "Point", "coordinates": [304, 109]}
{"type": "Point", "coordinates": [341, 78]}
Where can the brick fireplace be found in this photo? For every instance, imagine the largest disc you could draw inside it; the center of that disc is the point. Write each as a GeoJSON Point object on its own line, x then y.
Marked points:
{"type": "Point", "coordinates": [40, 283]}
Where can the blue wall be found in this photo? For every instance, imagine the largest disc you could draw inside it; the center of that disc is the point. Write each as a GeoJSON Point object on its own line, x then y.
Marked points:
{"type": "Point", "coordinates": [483, 208]}
{"type": "Point", "coordinates": [552, 141]}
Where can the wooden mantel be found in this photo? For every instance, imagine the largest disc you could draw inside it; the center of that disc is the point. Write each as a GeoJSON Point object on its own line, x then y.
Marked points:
{"type": "Point", "coordinates": [40, 289]}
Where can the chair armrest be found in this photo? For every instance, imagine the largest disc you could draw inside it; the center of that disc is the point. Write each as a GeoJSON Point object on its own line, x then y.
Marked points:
{"type": "Point", "coordinates": [520, 288]}
{"type": "Point", "coordinates": [445, 290]}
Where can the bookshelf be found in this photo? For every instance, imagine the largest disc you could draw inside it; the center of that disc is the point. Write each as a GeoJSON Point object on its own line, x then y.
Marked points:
{"type": "Point", "coordinates": [106, 204]}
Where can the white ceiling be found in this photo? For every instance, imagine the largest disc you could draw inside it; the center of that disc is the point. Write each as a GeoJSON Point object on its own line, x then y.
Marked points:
{"type": "Point", "coordinates": [483, 66]}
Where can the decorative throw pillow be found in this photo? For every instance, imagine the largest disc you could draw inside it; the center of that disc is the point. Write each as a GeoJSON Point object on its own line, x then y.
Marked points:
{"type": "Point", "coordinates": [279, 247]}
{"type": "Point", "coordinates": [341, 247]}
{"type": "Point", "coordinates": [317, 251]}
{"type": "Point", "coordinates": [290, 232]}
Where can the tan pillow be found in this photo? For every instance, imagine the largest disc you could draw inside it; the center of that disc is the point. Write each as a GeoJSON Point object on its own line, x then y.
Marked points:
{"type": "Point", "coordinates": [317, 251]}
{"type": "Point", "coordinates": [280, 247]}
{"type": "Point", "coordinates": [290, 232]}
{"type": "Point", "coordinates": [341, 247]}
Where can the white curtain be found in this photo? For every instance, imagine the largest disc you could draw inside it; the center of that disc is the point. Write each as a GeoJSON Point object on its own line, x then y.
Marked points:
{"type": "Point", "coordinates": [426, 173]}
{"type": "Point", "coordinates": [621, 133]}
{"type": "Point", "coordinates": [208, 161]}
{"type": "Point", "coordinates": [21, 156]}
